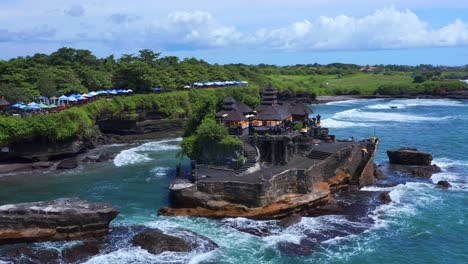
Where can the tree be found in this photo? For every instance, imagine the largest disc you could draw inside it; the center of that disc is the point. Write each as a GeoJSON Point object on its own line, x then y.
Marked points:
{"type": "Point", "coordinates": [46, 85]}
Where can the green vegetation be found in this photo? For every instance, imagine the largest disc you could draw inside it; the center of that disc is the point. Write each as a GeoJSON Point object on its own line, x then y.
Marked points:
{"type": "Point", "coordinates": [210, 141]}
{"type": "Point", "coordinates": [70, 70]}
{"type": "Point", "coordinates": [196, 105]}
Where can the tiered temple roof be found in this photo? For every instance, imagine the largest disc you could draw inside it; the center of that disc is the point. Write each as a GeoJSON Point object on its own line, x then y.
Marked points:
{"type": "Point", "coordinates": [269, 109]}
{"type": "Point", "coordinates": [233, 110]}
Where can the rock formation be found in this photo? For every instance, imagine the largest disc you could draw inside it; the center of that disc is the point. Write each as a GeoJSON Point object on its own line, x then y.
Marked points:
{"type": "Point", "coordinates": [413, 162]}
{"type": "Point", "coordinates": [444, 184]}
{"type": "Point", "coordinates": [61, 219]}
{"type": "Point", "coordinates": [385, 197]}
{"type": "Point", "coordinates": [67, 164]}
{"type": "Point", "coordinates": [155, 241]}
{"type": "Point", "coordinates": [409, 156]}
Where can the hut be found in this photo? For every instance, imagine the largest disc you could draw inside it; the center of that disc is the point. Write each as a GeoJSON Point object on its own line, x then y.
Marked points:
{"type": "Point", "coordinates": [299, 111]}
{"type": "Point", "coordinates": [4, 104]}
{"type": "Point", "coordinates": [270, 115]}
{"type": "Point", "coordinates": [233, 116]}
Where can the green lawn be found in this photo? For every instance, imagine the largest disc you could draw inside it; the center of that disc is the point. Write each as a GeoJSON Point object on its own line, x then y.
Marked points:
{"type": "Point", "coordinates": [362, 83]}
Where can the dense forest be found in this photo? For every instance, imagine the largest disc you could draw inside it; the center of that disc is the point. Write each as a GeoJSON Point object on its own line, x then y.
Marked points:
{"type": "Point", "coordinates": [68, 70]}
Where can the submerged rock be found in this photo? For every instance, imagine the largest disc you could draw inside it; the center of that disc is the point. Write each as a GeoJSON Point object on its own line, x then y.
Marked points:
{"type": "Point", "coordinates": [81, 252]}
{"type": "Point", "coordinates": [443, 184]}
{"type": "Point", "coordinates": [61, 219]}
{"type": "Point", "coordinates": [385, 197]}
{"type": "Point", "coordinates": [409, 156]}
{"type": "Point", "coordinates": [67, 164]}
{"type": "Point", "coordinates": [156, 242]}
{"type": "Point", "coordinates": [290, 220]}
{"type": "Point", "coordinates": [417, 171]}
{"type": "Point", "coordinates": [28, 255]}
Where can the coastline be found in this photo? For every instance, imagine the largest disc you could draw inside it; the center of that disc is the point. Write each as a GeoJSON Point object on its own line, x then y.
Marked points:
{"type": "Point", "coordinates": [457, 95]}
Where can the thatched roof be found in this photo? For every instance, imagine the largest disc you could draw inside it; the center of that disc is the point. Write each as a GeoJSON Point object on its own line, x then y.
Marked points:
{"type": "Point", "coordinates": [299, 109]}
{"type": "Point", "coordinates": [272, 112]}
{"type": "Point", "coordinates": [243, 108]}
{"type": "Point", "coordinates": [269, 96]}
{"type": "Point", "coordinates": [234, 116]}
{"type": "Point", "coordinates": [230, 104]}
{"type": "Point", "coordinates": [4, 102]}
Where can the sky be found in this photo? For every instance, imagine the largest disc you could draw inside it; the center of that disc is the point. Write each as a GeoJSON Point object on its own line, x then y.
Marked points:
{"type": "Point", "coordinates": [244, 31]}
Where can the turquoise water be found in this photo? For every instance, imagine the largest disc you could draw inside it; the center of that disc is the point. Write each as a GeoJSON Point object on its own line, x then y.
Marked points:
{"type": "Point", "coordinates": [422, 224]}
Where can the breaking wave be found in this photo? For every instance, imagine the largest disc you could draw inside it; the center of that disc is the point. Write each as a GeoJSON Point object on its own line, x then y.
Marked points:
{"type": "Point", "coordinates": [141, 153]}
{"type": "Point", "coordinates": [405, 103]}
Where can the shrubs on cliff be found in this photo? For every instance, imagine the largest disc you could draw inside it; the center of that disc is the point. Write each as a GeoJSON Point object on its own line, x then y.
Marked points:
{"type": "Point", "coordinates": [211, 143]}
{"type": "Point", "coordinates": [429, 87]}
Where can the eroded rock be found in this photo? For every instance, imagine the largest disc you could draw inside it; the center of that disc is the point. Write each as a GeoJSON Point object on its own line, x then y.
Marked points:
{"type": "Point", "coordinates": [290, 220]}
{"type": "Point", "coordinates": [409, 156]}
{"type": "Point", "coordinates": [67, 164]}
{"type": "Point", "coordinates": [61, 219]}
{"type": "Point", "coordinates": [385, 197]}
{"type": "Point", "coordinates": [443, 184]}
{"type": "Point", "coordinates": [81, 252]}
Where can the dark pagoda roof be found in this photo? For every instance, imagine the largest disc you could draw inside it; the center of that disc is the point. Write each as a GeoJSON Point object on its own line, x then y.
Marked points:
{"type": "Point", "coordinates": [299, 109]}
{"type": "Point", "coordinates": [272, 112]}
{"type": "Point", "coordinates": [230, 104]}
{"type": "Point", "coordinates": [234, 115]}
{"type": "Point", "coordinates": [4, 102]}
{"type": "Point", "coordinates": [269, 96]}
{"type": "Point", "coordinates": [243, 108]}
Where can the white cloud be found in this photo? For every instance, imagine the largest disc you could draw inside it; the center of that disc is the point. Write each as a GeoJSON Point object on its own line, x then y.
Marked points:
{"type": "Point", "coordinates": [196, 28]}
{"type": "Point", "coordinates": [387, 28]}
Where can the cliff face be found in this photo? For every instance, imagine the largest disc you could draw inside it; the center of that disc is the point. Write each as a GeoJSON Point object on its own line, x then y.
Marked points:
{"type": "Point", "coordinates": [303, 183]}
{"type": "Point", "coordinates": [146, 125]}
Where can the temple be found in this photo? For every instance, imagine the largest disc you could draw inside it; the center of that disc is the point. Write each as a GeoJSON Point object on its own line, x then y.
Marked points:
{"type": "Point", "coordinates": [269, 117]}
{"type": "Point", "coordinates": [287, 162]}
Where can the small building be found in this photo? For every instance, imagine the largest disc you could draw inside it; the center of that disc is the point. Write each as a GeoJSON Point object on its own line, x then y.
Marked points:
{"type": "Point", "coordinates": [271, 117]}
{"type": "Point", "coordinates": [4, 104]}
{"type": "Point", "coordinates": [233, 115]}
{"type": "Point", "coordinates": [300, 112]}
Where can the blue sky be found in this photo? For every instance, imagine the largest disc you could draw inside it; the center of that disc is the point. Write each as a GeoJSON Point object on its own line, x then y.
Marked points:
{"type": "Point", "coordinates": [255, 31]}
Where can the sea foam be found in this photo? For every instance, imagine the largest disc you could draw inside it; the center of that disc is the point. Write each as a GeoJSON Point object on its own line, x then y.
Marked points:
{"type": "Point", "coordinates": [140, 154]}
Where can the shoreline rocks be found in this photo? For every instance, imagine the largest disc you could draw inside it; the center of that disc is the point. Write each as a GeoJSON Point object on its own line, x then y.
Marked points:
{"type": "Point", "coordinates": [409, 156]}
{"type": "Point", "coordinates": [443, 184]}
{"type": "Point", "coordinates": [61, 219]}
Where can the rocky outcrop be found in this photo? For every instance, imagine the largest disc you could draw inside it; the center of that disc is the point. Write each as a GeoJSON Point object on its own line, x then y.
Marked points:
{"type": "Point", "coordinates": [276, 191]}
{"type": "Point", "coordinates": [416, 171]}
{"type": "Point", "coordinates": [155, 241]}
{"type": "Point", "coordinates": [409, 156]}
{"type": "Point", "coordinates": [385, 197]}
{"type": "Point", "coordinates": [290, 220]}
{"type": "Point", "coordinates": [412, 162]}
{"type": "Point", "coordinates": [61, 219]}
{"type": "Point", "coordinates": [443, 184]}
{"type": "Point", "coordinates": [80, 252]}
{"type": "Point", "coordinates": [67, 164]}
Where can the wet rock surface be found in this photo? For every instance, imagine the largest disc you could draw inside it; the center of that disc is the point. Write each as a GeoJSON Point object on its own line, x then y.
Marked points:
{"type": "Point", "coordinates": [417, 171]}
{"type": "Point", "coordinates": [67, 164]}
{"type": "Point", "coordinates": [61, 219]}
{"type": "Point", "coordinates": [81, 252]}
{"type": "Point", "coordinates": [155, 242]}
{"type": "Point", "coordinates": [385, 197]}
{"type": "Point", "coordinates": [290, 220]}
{"type": "Point", "coordinates": [443, 184]}
{"type": "Point", "coordinates": [409, 156]}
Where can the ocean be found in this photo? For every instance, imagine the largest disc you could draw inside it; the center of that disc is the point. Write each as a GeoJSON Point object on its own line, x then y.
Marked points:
{"type": "Point", "coordinates": [423, 224]}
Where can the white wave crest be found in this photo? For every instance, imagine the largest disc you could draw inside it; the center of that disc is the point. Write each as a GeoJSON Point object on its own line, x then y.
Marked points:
{"type": "Point", "coordinates": [357, 115]}
{"type": "Point", "coordinates": [137, 255]}
{"type": "Point", "coordinates": [332, 123]}
{"type": "Point", "coordinates": [140, 154]}
{"type": "Point", "coordinates": [404, 103]}
{"type": "Point", "coordinates": [376, 189]}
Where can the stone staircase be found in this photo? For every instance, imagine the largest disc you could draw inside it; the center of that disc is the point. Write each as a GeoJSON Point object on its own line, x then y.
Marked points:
{"type": "Point", "coordinates": [252, 156]}
{"type": "Point", "coordinates": [318, 155]}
